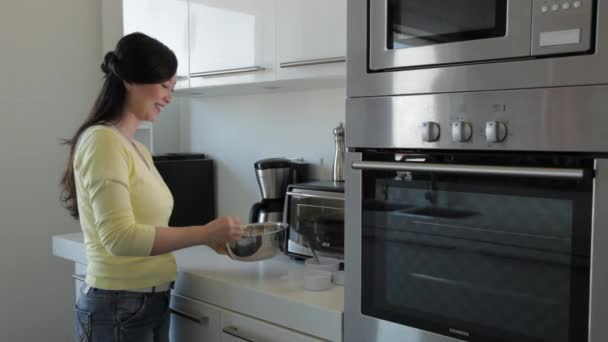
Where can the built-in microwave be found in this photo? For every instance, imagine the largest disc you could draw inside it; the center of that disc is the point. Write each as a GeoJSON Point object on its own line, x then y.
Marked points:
{"type": "Point", "coordinates": [419, 33]}
{"type": "Point", "coordinates": [400, 47]}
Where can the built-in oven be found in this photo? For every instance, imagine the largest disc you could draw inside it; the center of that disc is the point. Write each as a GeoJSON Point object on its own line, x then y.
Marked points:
{"type": "Point", "coordinates": [477, 216]}
{"type": "Point", "coordinates": [428, 46]}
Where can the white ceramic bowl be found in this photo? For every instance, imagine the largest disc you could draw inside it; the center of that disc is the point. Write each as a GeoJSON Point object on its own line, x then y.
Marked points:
{"type": "Point", "coordinates": [337, 277]}
{"type": "Point", "coordinates": [325, 264]}
{"type": "Point", "coordinates": [317, 280]}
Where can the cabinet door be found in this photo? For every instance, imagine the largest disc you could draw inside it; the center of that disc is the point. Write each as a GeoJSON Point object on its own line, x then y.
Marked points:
{"type": "Point", "coordinates": [193, 321]}
{"type": "Point", "coordinates": [231, 41]}
{"type": "Point", "coordinates": [311, 38]}
{"type": "Point", "coordinates": [239, 328]}
{"type": "Point", "coordinates": [165, 20]}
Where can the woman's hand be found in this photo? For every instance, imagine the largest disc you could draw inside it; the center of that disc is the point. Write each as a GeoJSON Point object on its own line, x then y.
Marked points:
{"type": "Point", "coordinates": [222, 230]}
{"type": "Point", "coordinates": [220, 249]}
{"type": "Point", "coordinates": [214, 234]}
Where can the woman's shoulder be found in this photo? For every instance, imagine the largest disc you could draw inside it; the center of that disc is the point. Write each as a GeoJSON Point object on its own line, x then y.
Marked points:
{"type": "Point", "coordinates": [99, 130]}
{"type": "Point", "coordinates": [99, 133]}
{"type": "Point", "coordinates": [98, 137]}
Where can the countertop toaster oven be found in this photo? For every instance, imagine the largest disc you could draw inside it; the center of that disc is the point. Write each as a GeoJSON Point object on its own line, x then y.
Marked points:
{"type": "Point", "coordinates": [315, 213]}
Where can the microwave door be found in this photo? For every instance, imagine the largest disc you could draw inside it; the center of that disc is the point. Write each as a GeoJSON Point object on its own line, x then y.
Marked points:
{"type": "Point", "coordinates": [418, 33]}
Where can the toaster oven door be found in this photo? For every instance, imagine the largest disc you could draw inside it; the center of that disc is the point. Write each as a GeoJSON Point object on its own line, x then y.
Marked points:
{"type": "Point", "coordinates": [316, 220]}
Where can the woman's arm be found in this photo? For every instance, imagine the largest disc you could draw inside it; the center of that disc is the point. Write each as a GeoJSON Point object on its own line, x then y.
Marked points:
{"type": "Point", "coordinates": [216, 233]}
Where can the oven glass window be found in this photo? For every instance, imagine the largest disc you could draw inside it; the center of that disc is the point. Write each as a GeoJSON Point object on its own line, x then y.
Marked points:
{"type": "Point", "coordinates": [480, 258]}
{"type": "Point", "coordinates": [413, 23]}
{"type": "Point", "coordinates": [318, 223]}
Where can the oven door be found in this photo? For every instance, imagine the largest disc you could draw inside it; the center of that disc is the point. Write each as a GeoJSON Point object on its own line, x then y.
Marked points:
{"type": "Point", "coordinates": [415, 33]}
{"type": "Point", "coordinates": [316, 219]}
{"type": "Point", "coordinates": [468, 252]}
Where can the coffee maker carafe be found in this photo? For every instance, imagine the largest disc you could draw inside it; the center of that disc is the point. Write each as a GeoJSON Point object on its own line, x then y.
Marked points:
{"type": "Point", "coordinates": [273, 176]}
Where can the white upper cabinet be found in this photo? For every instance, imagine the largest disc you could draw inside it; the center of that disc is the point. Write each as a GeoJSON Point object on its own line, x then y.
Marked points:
{"type": "Point", "coordinates": [231, 41]}
{"type": "Point", "coordinates": [311, 38]}
{"type": "Point", "coordinates": [165, 20]}
{"type": "Point", "coordinates": [239, 42]}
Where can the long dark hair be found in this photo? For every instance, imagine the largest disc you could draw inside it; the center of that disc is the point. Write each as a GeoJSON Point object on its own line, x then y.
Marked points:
{"type": "Point", "coordinates": [137, 59]}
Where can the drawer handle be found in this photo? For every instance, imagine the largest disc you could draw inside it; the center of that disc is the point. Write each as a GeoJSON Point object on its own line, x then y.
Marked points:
{"type": "Point", "coordinates": [181, 78]}
{"type": "Point", "coordinates": [234, 331]}
{"type": "Point", "coordinates": [198, 320]}
{"type": "Point", "coordinates": [80, 277]}
{"type": "Point", "coordinates": [312, 62]}
{"type": "Point", "coordinates": [227, 71]}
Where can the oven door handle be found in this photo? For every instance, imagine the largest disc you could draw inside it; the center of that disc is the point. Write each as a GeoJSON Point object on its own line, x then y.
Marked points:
{"type": "Point", "coordinates": [515, 171]}
{"type": "Point", "coordinates": [337, 196]}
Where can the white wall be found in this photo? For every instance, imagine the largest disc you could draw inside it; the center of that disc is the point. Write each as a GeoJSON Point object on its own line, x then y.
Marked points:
{"type": "Point", "coordinates": [49, 75]}
{"type": "Point", "coordinates": [236, 131]}
{"type": "Point", "coordinates": [166, 130]}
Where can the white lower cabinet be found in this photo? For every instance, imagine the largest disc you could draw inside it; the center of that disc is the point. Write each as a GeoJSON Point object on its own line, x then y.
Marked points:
{"type": "Point", "coordinates": [239, 328]}
{"type": "Point", "coordinates": [193, 321]}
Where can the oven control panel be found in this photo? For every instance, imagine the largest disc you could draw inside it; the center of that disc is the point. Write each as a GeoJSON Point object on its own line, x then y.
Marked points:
{"type": "Point", "coordinates": [548, 119]}
{"type": "Point", "coordinates": [462, 131]}
{"type": "Point", "coordinates": [561, 26]}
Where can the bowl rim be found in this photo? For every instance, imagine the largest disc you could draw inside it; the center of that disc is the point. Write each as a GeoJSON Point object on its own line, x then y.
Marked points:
{"type": "Point", "coordinates": [282, 225]}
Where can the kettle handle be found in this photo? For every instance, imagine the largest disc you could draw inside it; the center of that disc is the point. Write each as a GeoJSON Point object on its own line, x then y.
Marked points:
{"type": "Point", "coordinates": [254, 212]}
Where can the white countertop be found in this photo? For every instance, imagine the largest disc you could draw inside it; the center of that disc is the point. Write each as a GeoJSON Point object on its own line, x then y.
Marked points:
{"type": "Point", "coordinates": [269, 290]}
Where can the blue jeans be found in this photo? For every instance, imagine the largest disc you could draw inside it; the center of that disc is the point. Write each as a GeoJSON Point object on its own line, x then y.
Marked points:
{"type": "Point", "coordinates": [122, 316]}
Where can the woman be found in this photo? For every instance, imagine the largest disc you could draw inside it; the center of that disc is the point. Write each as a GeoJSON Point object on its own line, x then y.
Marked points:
{"type": "Point", "coordinates": [123, 205]}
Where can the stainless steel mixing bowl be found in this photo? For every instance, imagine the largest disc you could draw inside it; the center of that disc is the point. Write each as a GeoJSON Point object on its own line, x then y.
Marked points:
{"type": "Point", "coordinates": [260, 241]}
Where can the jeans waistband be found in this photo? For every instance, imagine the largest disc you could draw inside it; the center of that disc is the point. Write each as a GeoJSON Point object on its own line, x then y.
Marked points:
{"type": "Point", "coordinates": [153, 289]}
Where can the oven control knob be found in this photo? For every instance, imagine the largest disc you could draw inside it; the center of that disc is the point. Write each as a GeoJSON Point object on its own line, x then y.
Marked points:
{"type": "Point", "coordinates": [461, 131]}
{"type": "Point", "coordinates": [496, 131]}
{"type": "Point", "coordinates": [430, 131]}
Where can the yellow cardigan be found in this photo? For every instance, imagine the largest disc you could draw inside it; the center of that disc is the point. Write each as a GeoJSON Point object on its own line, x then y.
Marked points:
{"type": "Point", "coordinates": [120, 202]}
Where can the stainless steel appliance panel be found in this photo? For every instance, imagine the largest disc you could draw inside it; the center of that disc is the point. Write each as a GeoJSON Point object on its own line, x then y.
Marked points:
{"type": "Point", "coordinates": [555, 119]}
{"type": "Point", "coordinates": [553, 71]}
{"type": "Point", "coordinates": [515, 43]}
{"type": "Point", "coordinates": [598, 298]}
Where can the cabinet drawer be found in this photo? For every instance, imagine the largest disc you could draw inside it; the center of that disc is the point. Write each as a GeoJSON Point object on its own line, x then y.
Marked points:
{"type": "Point", "coordinates": [239, 328]}
{"type": "Point", "coordinates": [193, 321]}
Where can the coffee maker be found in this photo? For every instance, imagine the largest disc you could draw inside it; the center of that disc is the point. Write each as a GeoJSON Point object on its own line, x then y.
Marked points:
{"type": "Point", "coordinates": [273, 176]}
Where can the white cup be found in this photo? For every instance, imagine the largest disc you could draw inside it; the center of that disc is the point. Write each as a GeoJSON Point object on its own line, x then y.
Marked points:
{"type": "Point", "coordinates": [337, 277]}
{"type": "Point", "coordinates": [325, 264]}
{"type": "Point", "coordinates": [317, 280]}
